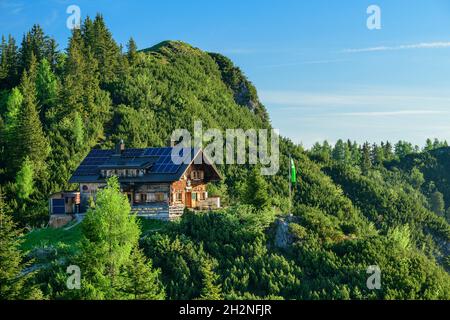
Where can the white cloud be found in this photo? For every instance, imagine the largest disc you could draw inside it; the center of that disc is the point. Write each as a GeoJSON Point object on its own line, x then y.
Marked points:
{"type": "Point", "coordinates": [11, 6]}
{"type": "Point", "coordinates": [393, 113]}
{"type": "Point", "coordinates": [300, 63]}
{"type": "Point", "coordinates": [423, 45]}
{"type": "Point", "coordinates": [360, 99]}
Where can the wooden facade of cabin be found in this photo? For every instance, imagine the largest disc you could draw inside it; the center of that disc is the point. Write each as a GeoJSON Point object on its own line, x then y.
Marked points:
{"type": "Point", "coordinates": [155, 186]}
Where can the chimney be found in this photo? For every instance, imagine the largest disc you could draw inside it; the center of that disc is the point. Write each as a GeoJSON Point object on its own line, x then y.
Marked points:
{"type": "Point", "coordinates": [173, 141]}
{"type": "Point", "coordinates": [120, 147]}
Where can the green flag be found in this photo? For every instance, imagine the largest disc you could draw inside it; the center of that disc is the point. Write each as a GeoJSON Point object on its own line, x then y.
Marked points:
{"type": "Point", "coordinates": [293, 172]}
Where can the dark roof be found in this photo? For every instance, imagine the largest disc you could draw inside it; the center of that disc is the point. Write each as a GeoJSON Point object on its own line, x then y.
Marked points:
{"type": "Point", "coordinates": [157, 162]}
{"type": "Point", "coordinates": [117, 162]}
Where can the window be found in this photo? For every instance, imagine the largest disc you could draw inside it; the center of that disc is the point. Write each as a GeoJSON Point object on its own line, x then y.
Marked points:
{"type": "Point", "coordinates": [196, 175]}
{"type": "Point", "coordinates": [143, 197]}
{"type": "Point", "coordinates": [179, 196]}
{"type": "Point", "coordinates": [151, 197]}
{"type": "Point", "coordinates": [202, 195]}
{"type": "Point", "coordinates": [160, 196]}
{"type": "Point", "coordinates": [194, 196]}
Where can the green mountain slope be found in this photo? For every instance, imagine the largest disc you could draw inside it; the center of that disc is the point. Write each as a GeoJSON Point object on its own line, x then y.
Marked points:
{"type": "Point", "coordinates": [172, 85]}
{"type": "Point", "coordinates": [348, 214]}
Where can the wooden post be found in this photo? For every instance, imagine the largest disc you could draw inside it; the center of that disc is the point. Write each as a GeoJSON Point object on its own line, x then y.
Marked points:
{"type": "Point", "coordinates": [290, 184]}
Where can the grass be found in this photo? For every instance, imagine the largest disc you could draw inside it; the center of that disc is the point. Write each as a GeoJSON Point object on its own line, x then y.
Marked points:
{"type": "Point", "coordinates": [52, 237]}
{"type": "Point", "coordinates": [150, 225]}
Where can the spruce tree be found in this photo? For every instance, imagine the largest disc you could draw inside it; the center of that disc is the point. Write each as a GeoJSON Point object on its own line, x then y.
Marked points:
{"type": "Point", "coordinates": [211, 290]}
{"type": "Point", "coordinates": [78, 130]}
{"type": "Point", "coordinates": [24, 180]}
{"type": "Point", "coordinates": [105, 50]}
{"type": "Point", "coordinates": [13, 283]}
{"type": "Point", "coordinates": [10, 256]}
{"type": "Point", "coordinates": [29, 140]}
{"type": "Point", "coordinates": [139, 280]}
{"type": "Point", "coordinates": [46, 87]}
{"type": "Point", "coordinates": [81, 89]}
{"type": "Point", "coordinates": [257, 190]}
{"type": "Point", "coordinates": [8, 63]}
{"type": "Point", "coordinates": [12, 60]}
{"type": "Point", "coordinates": [131, 51]}
{"type": "Point", "coordinates": [3, 61]}
{"type": "Point", "coordinates": [13, 105]}
{"type": "Point", "coordinates": [366, 162]}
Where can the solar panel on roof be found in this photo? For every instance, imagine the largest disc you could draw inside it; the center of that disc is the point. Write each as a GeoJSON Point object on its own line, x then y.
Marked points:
{"type": "Point", "coordinates": [159, 151]}
{"type": "Point", "coordinates": [132, 152]}
{"type": "Point", "coordinates": [156, 168]}
{"type": "Point", "coordinates": [160, 157]}
{"type": "Point", "coordinates": [100, 153]}
{"type": "Point", "coordinates": [164, 160]}
{"type": "Point", "coordinates": [148, 152]}
{"type": "Point", "coordinates": [167, 151]}
{"type": "Point", "coordinates": [172, 168]}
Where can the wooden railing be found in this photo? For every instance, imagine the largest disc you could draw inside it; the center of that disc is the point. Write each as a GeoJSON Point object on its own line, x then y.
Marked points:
{"type": "Point", "coordinates": [176, 211]}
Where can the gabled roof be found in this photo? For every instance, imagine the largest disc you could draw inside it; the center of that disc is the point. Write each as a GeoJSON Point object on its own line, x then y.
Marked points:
{"type": "Point", "coordinates": [157, 162]}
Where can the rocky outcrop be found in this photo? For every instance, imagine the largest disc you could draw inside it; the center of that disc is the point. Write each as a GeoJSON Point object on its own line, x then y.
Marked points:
{"type": "Point", "coordinates": [283, 238]}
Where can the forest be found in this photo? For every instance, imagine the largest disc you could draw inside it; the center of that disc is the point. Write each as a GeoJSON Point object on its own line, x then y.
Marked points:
{"type": "Point", "coordinates": [354, 205]}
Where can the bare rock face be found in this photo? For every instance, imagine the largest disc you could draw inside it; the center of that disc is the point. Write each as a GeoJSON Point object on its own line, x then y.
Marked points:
{"type": "Point", "coordinates": [283, 238]}
{"type": "Point", "coordinates": [59, 220]}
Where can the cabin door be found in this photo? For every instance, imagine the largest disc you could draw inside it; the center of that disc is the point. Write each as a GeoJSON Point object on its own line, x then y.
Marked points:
{"type": "Point", "coordinates": [188, 201]}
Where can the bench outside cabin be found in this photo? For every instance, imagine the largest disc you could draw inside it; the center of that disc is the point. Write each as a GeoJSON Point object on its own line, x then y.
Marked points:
{"type": "Point", "coordinates": [156, 187]}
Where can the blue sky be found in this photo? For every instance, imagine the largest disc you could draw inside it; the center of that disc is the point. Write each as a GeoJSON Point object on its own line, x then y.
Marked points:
{"type": "Point", "coordinates": [321, 73]}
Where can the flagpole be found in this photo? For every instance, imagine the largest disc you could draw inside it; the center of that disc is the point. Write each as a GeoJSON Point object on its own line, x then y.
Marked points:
{"type": "Point", "coordinates": [290, 183]}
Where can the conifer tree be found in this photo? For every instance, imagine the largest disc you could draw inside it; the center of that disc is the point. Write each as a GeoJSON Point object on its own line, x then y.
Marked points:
{"type": "Point", "coordinates": [388, 153]}
{"type": "Point", "coordinates": [12, 61]}
{"type": "Point", "coordinates": [437, 203]}
{"type": "Point", "coordinates": [13, 284]}
{"type": "Point", "coordinates": [24, 180]}
{"type": "Point", "coordinates": [8, 63]}
{"type": "Point", "coordinates": [341, 152]}
{"type": "Point", "coordinates": [46, 87]}
{"type": "Point", "coordinates": [13, 105]}
{"type": "Point", "coordinates": [78, 130]}
{"type": "Point", "coordinates": [3, 61]}
{"type": "Point", "coordinates": [131, 51]}
{"type": "Point", "coordinates": [109, 235]}
{"type": "Point", "coordinates": [29, 140]}
{"type": "Point", "coordinates": [366, 162]}
{"type": "Point", "coordinates": [377, 155]}
{"type": "Point", "coordinates": [139, 280]}
{"type": "Point", "coordinates": [81, 89]}
{"type": "Point", "coordinates": [257, 190]}
{"type": "Point", "coordinates": [10, 257]}
{"type": "Point", "coordinates": [105, 50]}
{"type": "Point", "coordinates": [211, 290]}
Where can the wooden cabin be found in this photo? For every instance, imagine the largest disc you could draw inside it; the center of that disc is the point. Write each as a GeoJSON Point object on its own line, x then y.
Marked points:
{"type": "Point", "coordinates": [155, 186]}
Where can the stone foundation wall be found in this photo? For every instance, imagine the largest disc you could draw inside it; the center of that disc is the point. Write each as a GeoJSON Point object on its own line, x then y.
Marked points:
{"type": "Point", "coordinates": [59, 220]}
